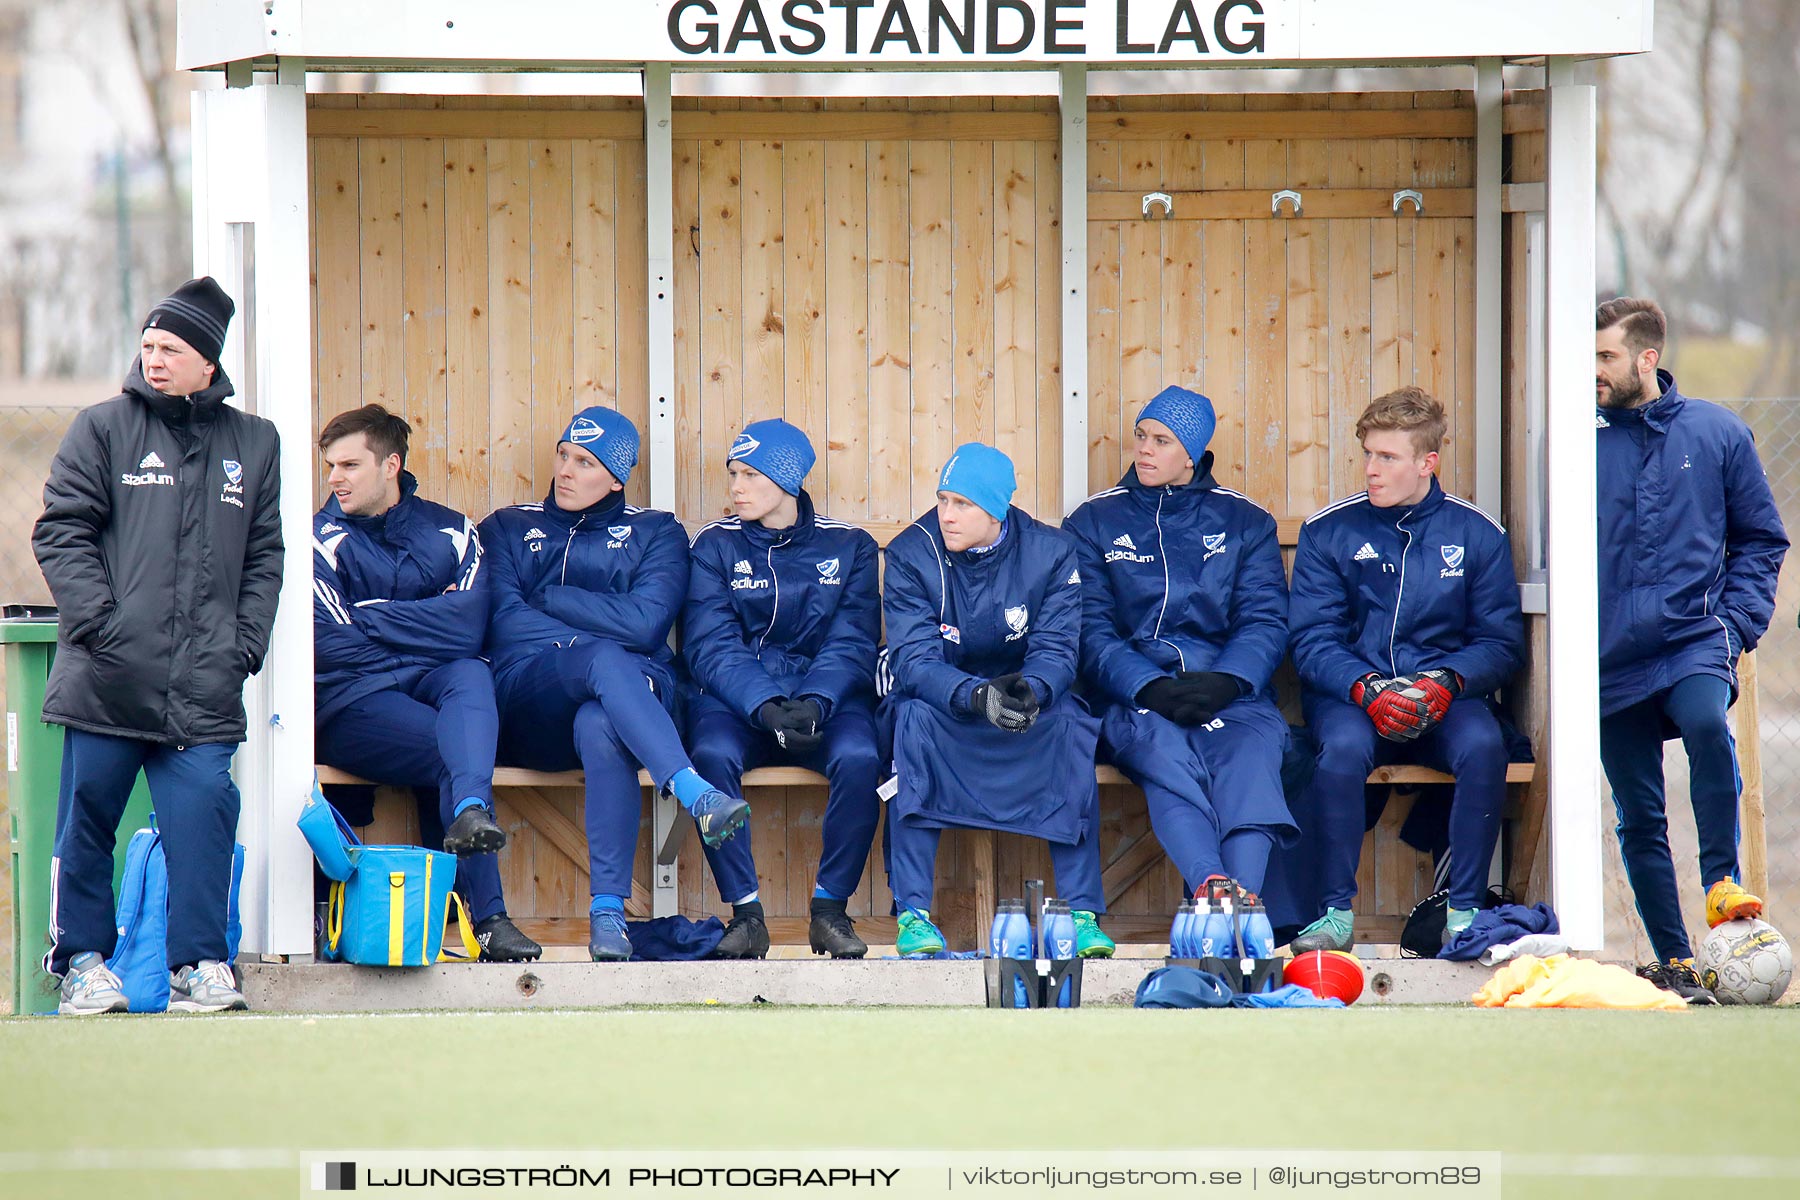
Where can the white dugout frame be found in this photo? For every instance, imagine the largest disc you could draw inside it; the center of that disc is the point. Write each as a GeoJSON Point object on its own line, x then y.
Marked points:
{"type": "Point", "coordinates": [251, 231]}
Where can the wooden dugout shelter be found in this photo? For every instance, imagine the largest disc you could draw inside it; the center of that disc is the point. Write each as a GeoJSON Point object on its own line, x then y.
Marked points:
{"type": "Point", "coordinates": [898, 275]}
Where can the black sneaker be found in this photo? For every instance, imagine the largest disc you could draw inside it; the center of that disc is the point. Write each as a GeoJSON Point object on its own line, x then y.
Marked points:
{"type": "Point", "coordinates": [748, 934]}
{"type": "Point", "coordinates": [832, 931]}
{"type": "Point", "coordinates": [474, 832]}
{"type": "Point", "coordinates": [1677, 975]}
{"type": "Point", "coordinates": [502, 941]}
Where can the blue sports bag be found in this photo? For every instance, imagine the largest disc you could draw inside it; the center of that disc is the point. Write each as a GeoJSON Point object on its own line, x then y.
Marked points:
{"type": "Point", "coordinates": [388, 904]}
{"type": "Point", "coordinates": [141, 955]}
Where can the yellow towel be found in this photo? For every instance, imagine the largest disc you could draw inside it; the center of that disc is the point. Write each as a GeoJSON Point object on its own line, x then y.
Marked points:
{"type": "Point", "coordinates": [1564, 982]}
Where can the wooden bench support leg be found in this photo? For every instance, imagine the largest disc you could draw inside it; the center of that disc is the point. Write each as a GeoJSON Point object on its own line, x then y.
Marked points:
{"type": "Point", "coordinates": [665, 900]}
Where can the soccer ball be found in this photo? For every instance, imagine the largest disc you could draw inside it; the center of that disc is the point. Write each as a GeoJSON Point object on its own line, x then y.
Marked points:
{"type": "Point", "coordinates": [1746, 962]}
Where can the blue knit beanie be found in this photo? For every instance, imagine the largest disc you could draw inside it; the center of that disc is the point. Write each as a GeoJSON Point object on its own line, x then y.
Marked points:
{"type": "Point", "coordinates": [778, 450]}
{"type": "Point", "coordinates": [608, 435]}
{"type": "Point", "coordinates": [982, 474]}
{"type": "Point", "coordinates": [1189, 416]}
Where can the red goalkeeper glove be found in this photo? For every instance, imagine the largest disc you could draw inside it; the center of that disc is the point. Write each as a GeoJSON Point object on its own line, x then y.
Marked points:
{"type": "Point", "coordinates": [1398, 709]}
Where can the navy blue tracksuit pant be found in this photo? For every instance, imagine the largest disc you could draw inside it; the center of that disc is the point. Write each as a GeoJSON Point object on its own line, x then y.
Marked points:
{"type": "Point", "coordinates": [1213, 792]}
{"type": "Point", "coordinates": [1468, 744]}
{"type": "Point", "coordinates": [724, 746]}
{"type": "Point", "coordinates": [439, 732]}
{"type": "Point", "coordinates": [1631, 750]}
{"type": "Point", "coordinates": [598, 706]}
{"type": "Point", "coordinates": [196, 806]}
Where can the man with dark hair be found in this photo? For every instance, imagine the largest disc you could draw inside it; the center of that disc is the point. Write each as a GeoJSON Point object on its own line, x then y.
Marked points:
{"type": "Point", "coordinates": [401, 694]}
{"type": "Point", "coordinates": [1406, 617]}
{"type": "Point", "coordinates": [161, 541]}
{"type": "Point", "coordinates": [1690, 545]}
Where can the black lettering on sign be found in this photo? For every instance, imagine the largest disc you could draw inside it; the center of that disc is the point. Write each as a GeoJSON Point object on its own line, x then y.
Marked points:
{"type": "Point", "coordinates": [1183, 26]}
{"type": "Point", "coordinates": [939, 20]}
{"type": "Point", "coordinates": [1029, 18]}
{"type": "Point", "coordinates": [1251, 44]}
{"type": "Point", "coordinates": [1053, 26]}
{"type": "Point", "coordinates": [746, 29]}
{"type": "Point", "coordinates": [850, 8]}
{"type": "Point", "coordinates": [790, 13]}
{"type": "Point", "coordinates": [892, 30]}
{"type": "Point", "coordinates": [708, 30]}
{"type": "Point", "coordinates": [1121, 44]}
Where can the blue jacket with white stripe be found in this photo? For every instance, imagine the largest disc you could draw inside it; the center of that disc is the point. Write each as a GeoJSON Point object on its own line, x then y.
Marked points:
{"type": "Point", "coordinates": [783, 613]}
{"type": "Point", "coordinates": [1178, 579]}
{"type": "Point", "coordinates": [1393, 591]}
{"type": "Point", "coordinates": [612, 571]}
{"type": "Point", "coordinates": [1690, 545]}
{"type": "Point", "coordinates": [393, 596]}
{"type": "Point", "coordinates": [958, 618]}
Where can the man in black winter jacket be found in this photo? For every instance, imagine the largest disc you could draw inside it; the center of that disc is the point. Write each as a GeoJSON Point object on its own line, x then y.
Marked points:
{"type": "Point", "coordinates": [161, 542]}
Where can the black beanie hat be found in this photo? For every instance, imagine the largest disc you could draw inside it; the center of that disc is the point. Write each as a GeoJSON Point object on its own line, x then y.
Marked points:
{"type": "Point", "coordinates": [197, 313]}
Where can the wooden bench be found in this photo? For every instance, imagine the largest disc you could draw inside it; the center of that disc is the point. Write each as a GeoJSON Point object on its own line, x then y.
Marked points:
{"type": "Point", "coordinates": [1128, 863]}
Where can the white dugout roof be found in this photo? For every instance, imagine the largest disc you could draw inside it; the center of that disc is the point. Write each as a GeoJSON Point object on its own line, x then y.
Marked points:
{"type": "Point", "coordinates": [251, 231]}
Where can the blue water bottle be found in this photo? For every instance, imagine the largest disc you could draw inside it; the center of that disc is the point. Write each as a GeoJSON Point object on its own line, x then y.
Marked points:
{"type": "Point", "coordinates": [1059, 942]}
{"type": "Point", "coordinates": [1214, 939]}
{"type": "Point", "coordinates": [1259, 935]}
{"type": "Point", "coordinates": [1182, 931]}
{"type": "Point", "coordinates": [1015, 942]}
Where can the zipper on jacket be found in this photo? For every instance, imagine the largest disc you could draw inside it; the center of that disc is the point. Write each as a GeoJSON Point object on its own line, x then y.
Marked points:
{"type": "Point", "coordinates": [564, 577]}
{"type": "Point", "coordinates": [1162, 553]}
{"type": "Point", "coordinates": [1400, 594]}
{"type": "Point", "coordinates": [775, 611]}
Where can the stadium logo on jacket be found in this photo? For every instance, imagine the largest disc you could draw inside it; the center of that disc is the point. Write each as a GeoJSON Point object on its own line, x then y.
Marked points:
{"type": "Point", "coordinates": [619, 534]}
{"type": "Point", "coordinates": [1128, 551]}
{"type": "Point", "coordinates": [743, 568]}
{"type": "Point", "coordinates": [1215, 544]}
{"type": "Point", "coordinates": [828, 572]}
{"type": "Point", "coordinates": [1453, 557]}
{"type": "Point", "coordinates": [1018, 619]}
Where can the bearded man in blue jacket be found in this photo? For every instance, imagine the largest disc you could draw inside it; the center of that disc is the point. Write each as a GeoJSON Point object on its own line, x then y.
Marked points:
{"type": "Point", "coordinates": [983, 607]}
{"type": "Point", "coordinates": [1406, 617]}
{"type": "Point", "coordinates": [401, 696]}
{"type": "Point", "coordinates": [1184, 620]}
{"type": "Point", "coordinates": [1690, 545]}
{"type": "Point", "coordinates": [583, 590]}
{"type": "Point", "coordinates": [779, 634]}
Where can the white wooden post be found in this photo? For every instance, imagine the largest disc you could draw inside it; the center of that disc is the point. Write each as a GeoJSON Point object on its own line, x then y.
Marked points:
{"type": "Point", "coordinates": [1575, 862]}
{"type": "Point", "coordinates": [659, 174]}
{"type": "Point", "coordinates": [251, 233]}
{"type": "Point", "coordinates": [1488, 399]}
{"type": "Point", "coordinates": [1072, 96]}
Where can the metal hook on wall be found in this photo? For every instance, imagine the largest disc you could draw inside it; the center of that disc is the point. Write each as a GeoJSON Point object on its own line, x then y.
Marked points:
{"type": "Point", "coordinates": [1284, 195]}
{"type": "Point", "coordinates": [1405, 194]}
{"type": "Point", "coordinates": [1163, 198]}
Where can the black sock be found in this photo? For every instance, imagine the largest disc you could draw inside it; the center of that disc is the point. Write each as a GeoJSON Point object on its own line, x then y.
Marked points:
{"type": "Point", "coordinates": [749, 908]}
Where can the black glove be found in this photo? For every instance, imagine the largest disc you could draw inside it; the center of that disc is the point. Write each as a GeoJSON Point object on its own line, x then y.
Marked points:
{"type": "Point", "coordinates": [1212, 691]}
{"type": "Point", "coordinates": [795, 724]}
{"type": "Point", "coordinates": [1164, 697]}
{"type": "Point", "coordinates": [1006, 702]}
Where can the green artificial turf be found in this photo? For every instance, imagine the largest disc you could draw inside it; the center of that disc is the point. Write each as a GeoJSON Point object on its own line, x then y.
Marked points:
{"type": "Point", "coordinates": [1653, 1093]}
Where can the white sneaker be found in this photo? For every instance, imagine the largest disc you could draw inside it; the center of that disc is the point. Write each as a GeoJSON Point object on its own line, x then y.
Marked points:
{"type": "Point", "coordinates": [88, 987]}
{"type": "Point", "coordinates": [208, 987]}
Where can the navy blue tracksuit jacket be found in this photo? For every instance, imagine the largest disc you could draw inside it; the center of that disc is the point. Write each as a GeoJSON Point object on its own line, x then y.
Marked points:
{"type": "Point", "coordinates": [382, 616]}
{"type": "Point", "coordinates": [1690, 545]}
{"type": "Point", "coordinates": [1392, 591]}
{"type": "Point", "coordinates": [1178, 579]}
{"type": "Point", "coordinates": [956, 619]}
{"type": "Point", "coordinates": [614, 572]}
{"type": "Point", "coordinates": [782, 613]}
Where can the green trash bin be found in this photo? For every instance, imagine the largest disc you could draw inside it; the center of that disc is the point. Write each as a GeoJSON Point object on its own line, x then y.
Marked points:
{"type": "Point", "coordinates": [33, 778]}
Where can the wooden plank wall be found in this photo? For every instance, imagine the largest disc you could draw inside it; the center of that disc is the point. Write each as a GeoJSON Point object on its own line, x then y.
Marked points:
{"type": "Point", "coordinates": [883, 273]}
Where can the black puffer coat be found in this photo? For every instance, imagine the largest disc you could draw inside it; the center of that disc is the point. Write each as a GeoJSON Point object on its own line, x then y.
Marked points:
{"type": "Point", "coordinates": [161, 541]}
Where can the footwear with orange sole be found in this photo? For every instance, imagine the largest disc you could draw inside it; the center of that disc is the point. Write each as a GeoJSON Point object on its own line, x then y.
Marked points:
{"type": "Point", "coordinates": [1726, 901]}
